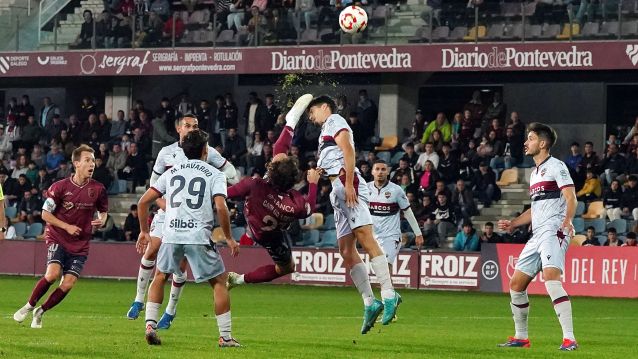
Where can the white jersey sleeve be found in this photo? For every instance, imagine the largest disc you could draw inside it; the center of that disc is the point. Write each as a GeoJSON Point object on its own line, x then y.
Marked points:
{"type": "Point", "coordinates": [402, 199]}
{"type": "Point", "coordinates": [561, 174]}
{"type": "Point", "coordinates": [218, 185]}
{"type": "Point", "coordinates": [160, 184]}
{"type": "Point", "coordinates": [160, 165]}
{"type": "Point", "coordinates": [215, 158]}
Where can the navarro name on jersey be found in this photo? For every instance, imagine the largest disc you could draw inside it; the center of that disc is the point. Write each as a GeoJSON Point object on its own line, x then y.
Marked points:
{"type": "Point", "coordinates": [193, 165]}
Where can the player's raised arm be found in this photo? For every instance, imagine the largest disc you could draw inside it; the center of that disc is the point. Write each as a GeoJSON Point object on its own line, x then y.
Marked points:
{"type": "Point", "coordinates": [343, 141]}
{"type": "Point", "coordinates": [241, 189]}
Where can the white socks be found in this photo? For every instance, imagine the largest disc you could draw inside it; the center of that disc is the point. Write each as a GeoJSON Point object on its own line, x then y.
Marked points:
{"type": "Point", "coordinates": [292, 117]}
{"type": "Point", "coordinates": [379, 265]}
{"type": "Point", "coordinates": [520, 311]}
{"type": "Point", "coordinates": [143, 278]}
{"type": "Point", "coordinates": [176, 292]}
{"type": "Point", "coordinates": [562, 307]}
{"type": "Point", "coordinates": [152, 313]}
{"type": "Point", "coordinates": [224, 325]}
{"type": "Point", "coordinates": [359, 274]}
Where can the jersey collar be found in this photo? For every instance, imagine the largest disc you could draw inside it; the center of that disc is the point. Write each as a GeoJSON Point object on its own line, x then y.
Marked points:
{"type": "Point", "coordinates": [542, 163]}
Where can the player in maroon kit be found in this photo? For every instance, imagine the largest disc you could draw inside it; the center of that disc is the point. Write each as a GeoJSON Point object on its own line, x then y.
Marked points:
{"type": "Point", "coordinates": [68, 211]}
{"type": "Point", "coordinates": [271, 205]}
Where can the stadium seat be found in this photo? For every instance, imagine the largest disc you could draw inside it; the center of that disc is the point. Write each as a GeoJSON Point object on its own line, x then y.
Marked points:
{"type": "Point", "coordinates": [629, 29]}
{"type": "Point", "coordinates": [458, 33]}
{"type": "Point", "coordinates": [511, 9]}
{"type": "Point", "coordinates": [579, 224]}
{"type": "Point", "coordinates": [577, 240]}
{"type": "Point", "coordinates": [328, 240]}
{"type": "Point", "coordinates": [309, 36]}
{"type": "Point", "coordinates": [122, 186]}
{"type": "Point", "coordinates": [113, 189]}
{"type": "Point", "coordinates": [441, 33]}
{"type": "Point", "coordinates": [226, 37]}
{"type": "Point", "coordinates": [329, 222]}
{"type": "Point", "coordinates": [310, 237]}
{"type": "Point", "coordinates": [535, 32]}
{"type": "Point", "coordinates": [550, 31]}
{"type": "Point", "coordinates": [21, 229]}
{"type": "Point", "coordinates": [474, 32]}
{"type": "Point", "coordinates": [601, 239]}
{"type": "Point", "coordinates": [388, 143]}
{"type": "Point", "coordinates": [422, 34]}
{"type": "Point", "coordinates": [384, 155]}
{"type": "Point", "coordinates": [508, 177]}
{"type": "Point", "coordinates": [580, 208]}
{"type": "Point", "coordinates": [619, 224]}
{"type": "Point", "coordinates": [35, 230]}
{"type": "Point", "coordinates": [598, 224]}
{"type": "Point", "coordinates": [238, 232]}
{"type": "Point", "coordinates": [11, 212]}
{"type": "Point", "coordinates": [496, 31]}
{"type": "Point", "coordinates": [590, 30]}
{"type": "Point", "coordinates": [396, 157]}
{"type": "Point", "coordinates": [595, 210]}
{"type": "Point", "coordinates": [609, 29]}
{"type": "Point", "coordinates": [564, 35]}
{"type": "Point", "coordinates": [628, 7]}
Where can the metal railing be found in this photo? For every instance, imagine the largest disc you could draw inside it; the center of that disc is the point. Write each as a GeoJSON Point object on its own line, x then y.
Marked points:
{"type": "Point", "coordinates": [48, 9]}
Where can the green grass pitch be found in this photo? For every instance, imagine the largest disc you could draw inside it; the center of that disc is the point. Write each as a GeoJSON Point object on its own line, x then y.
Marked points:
{"type": "Point", "coordinates": [307, 322]}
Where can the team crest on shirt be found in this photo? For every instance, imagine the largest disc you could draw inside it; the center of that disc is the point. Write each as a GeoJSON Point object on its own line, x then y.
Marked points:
{"type": "Point", "coordinates": [387, 195]}
{"type": "Point", "coordinates": [543, 171]}
{"type": "Point", "coordinates": [564, 174]}
{"type": "Point", "coordinates": [67, 205]}
{"type": "Point", "coordinates": [91, 192]}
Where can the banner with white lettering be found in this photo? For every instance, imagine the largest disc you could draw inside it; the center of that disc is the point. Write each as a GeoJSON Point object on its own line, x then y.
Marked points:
{"type": "Point", "coordinates": [536, 56]}
{"type": "Point", "coordinates": [589, 271]}
{"type": "Point", "coordinates": [440, 270]}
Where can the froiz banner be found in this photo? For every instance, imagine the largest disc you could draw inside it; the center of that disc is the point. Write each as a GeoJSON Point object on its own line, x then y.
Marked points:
{"type": "Point", "coordinates": [536, 56]}
{"type": "Point", "coordinates": [589, 271]}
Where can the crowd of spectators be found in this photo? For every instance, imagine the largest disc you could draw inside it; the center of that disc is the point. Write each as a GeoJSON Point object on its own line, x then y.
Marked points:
{"type": "Point", "coordinates": [448, 169]}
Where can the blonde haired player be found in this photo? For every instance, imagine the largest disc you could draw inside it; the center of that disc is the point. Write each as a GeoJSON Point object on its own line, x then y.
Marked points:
{"type": "Point", "coordinates": [551, 190]}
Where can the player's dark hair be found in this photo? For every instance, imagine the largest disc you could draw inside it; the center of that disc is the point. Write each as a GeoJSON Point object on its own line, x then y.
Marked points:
{"type": "Point", "coordinates": [194, 143]}
{"type": "Point", "coordinates": [544, 132]}
{"type": "Point", "coordinates": [320, 100]}
{"type": "Point", "coordinates": [284, 173]}
{"type": "Point", "coordinates": [379, 162]}
{"type": "Point", "coordinates": [77, 153]}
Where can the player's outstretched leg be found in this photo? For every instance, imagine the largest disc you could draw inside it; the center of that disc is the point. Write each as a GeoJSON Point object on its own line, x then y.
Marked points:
{"type": "Point", "coordinates": [144, 276]}
{"type": "Point", "coordinates": [54, 299]}
{"type": "Point", "coordinates": [40, 289]}
{"type": "Point", "coordinates": [563, 309]}
{"type": "Point", "coordinates": [171, 308]}
{"type": "Point", "coordinates": [282, 145]}
{"type": "Point", "coordinates": [222, 312]}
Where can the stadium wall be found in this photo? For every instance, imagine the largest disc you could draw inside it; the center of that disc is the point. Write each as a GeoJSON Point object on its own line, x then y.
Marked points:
{"type": "Point", "coordinates": [604, 272]}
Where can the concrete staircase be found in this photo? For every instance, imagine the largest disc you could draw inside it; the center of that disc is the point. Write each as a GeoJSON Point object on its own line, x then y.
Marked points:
{"type": "Point", "coordinates": [70, 26]}
{"type": "Point", "coordinates": [10, 11]}
{"type": "Point", "coordinates": [119, 205]}
{"type": "Point", "coordinates": [401, 26]}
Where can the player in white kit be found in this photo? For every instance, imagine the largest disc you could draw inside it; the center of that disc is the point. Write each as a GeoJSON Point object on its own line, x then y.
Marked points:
{"type": "Point", "coordinates": [191, 188]}
{"type": "Point", "coordinates": [349, 198]}
{"type": "Point", "coordinates": [168, 157]}
{"type": "Point", "coordinates": [387, 201]}
{"type": "Point", "coordinates": [553, 206]}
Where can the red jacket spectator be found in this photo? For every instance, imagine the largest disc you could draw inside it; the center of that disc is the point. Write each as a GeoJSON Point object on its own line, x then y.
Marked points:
{"type": "Point", "coordinates": [179, 27]}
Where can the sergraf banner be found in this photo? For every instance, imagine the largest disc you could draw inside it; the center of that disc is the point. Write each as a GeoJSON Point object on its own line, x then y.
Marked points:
{"type": "Point", "coordinates": [589, 271]}
{"type": "Point", "coordinates": [536, 56]}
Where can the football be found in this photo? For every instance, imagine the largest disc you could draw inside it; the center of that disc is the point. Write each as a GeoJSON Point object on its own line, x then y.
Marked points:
{"type": "Point", "coordinates": [353, 19]}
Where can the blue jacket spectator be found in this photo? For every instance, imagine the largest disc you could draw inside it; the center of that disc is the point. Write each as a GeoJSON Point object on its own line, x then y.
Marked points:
{"type": "Point", "coordinates": [466, 240]}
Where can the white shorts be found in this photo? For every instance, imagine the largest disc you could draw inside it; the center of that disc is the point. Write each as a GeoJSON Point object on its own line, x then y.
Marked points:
{"type": "Point", "coordinates": [157, 226]}
{"type": "Point", "coordinates": [543, 250]}
{"type": "Point", "coordinates": [391, 247]}
{"type": "Point", "coordinates": [204, 260]}
{"type": "Point", "coordinates": [346, 218]}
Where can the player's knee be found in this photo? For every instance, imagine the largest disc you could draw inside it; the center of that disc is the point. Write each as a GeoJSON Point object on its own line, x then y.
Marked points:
{"type": "Point", "coordinates": [179, 278]}
{"type": "Point", "coordinates": [68, 283]}
{"type": "Point", "coordinates": [52, 274]}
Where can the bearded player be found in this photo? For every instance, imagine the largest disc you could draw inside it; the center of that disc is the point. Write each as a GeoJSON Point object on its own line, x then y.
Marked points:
{"type": "Point", "coordinates": [553, 206]}
{"type": "Point", "coordinates": [68, 212]}
{"type": "Point", "coordinates": [349, 198]}
{"type": "Point", "coordinates": [271, 204]}
{"type": "Point", "coordinates": [168, 157]}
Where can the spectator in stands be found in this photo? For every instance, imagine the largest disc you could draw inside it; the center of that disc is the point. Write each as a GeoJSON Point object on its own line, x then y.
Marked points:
{"type": "Point", "coordinates": [574, 159]}
{"type": "Point", "coordinates": [43, 181]}
{"type": "Point", "coordinates": [29, 207]}
{"type": "Point", "coordinates": [84, 39]}
{"type": "Point", "coordinates": [48, 111]}
{"type": "Point", "coordinates": [437, 141]}
{"type": "Point", "coordinates": [145, 124]}
{"type": "Point", "coordinates": [120, 35]}
{"type": "Point", "coordinates": [126, 142]}
{"type": "Point", "coordinates": [54, 159]}
{"type": "Point", "coordinates": [74, 130]}
{"type": "Point", "coordinates": [54, 127]}
{"type": "Point", "coordinates": [590, 159]}
{"type": "Point", "coordinates": [489, 236]}
{"type": "Point", "coordinates": [592, 189]}
{"type": "Point", "coordinates": [101, 173]}
{"type": "Point", "coordinates": [25, 109]}
{"type": "Point", "coordinates": [132, 225]}
{"type": "Point", "coordinates": [612, 200]}
{"type": "Point", "coordinates": [255, 149]}
{"type": "Point", "coordinates": [512, 155]}
{"type": "Point", "coordinates": [427, 155]}
{"type": "Point", "coordinates": [613, 163]}
{"type": "Point", "coordinates": [428, 179]}
{"type": "Point", "coordinates": [103, 152]}
{"type": "Point", "coordinates": [23, 186]}
{"type": "Point", "coordinates": [11, 230]}
{"type": "Point", "coordinates": [441, 187]}
{"type": "Point", "coordinates": [476, 107]}
{"type": "Point", "coordinates": [431, 14]}
{"type": "Point", "coordinates": [136, 169]}
{"type": "Point", "coordinates": [235, 148]}
{"type": "Point", "coordinates": [236, 15]}
{"type": "Point", "coordinates": [64, 143]}
{"type": "Point", "coordinates": [22, 166]}
{"type": "Point", "coordinates": [12, 130]}
{"type": "Point", "coordinates": [151, 32]}
{"type": "Point", "coordinates": [407, 185]}
{"type": "Point", "coordinates": [448, 165]}
{"type": "Point", "coordinates": [418, 127]}
{"type": "Point", "coordinates": [118, 126]}
{"type": "Point", "coordinates": [117, 160]}
{"type": "Point", "coordinates": [204, 114]}
{"type": "Point", "coordinates": [365, 170]}
{"type": "Point", "coordinates": [590, 238]}
{"type": "Point", "coordinates": [463, 201]}
{"type": "Point", "coordinates": [632, 132]}
{"type": "Point", "coordinates": [104, 128]}
{"type": "Point", "coordinates": [358, 131]}
{"type": "Point", "coordinates": [495, 125]}
{"type": "Point", "coordinates": [89, 127]}
{"type": "Point", "coordinates": [104, 31]}
{"type": "Point", "coordinates": [87, 108]}
{"type": "Point", "coordinates": [323, 199]}
{"type": "Point", "coordinates": [161, 136]}
{"type": "Point", "coordinates": [161, 8]}
{"type": "Point", "coordinates": [305, 9]}
{"type": "Point", "coordinates": [632, 146]}
{"type": "Point", "coordinates": [143, 141]}
{"type": "Point", "coordinates": [410, 154]}
{"type": "Point", "coordinates": [630, 240]}
{"type": "Point", "coordinates": [612, 238]}
{"type": "Point", "coordinates": [629, 201]}
{"type": "Point", "coordinates": [444, 222]}
{"type": "Point", "coordinates": [32, 172]}
{"type": "Point", "coordinates": [485, 185]}
{"type": "Point", "coordinates": [368, 114]}
{"type": "Point", "coordinates": [273, 112]}
{"type": "Point", "coordinates": [6, 146]}
{"type": "Point", "coordinates": [497, 109]}
{"type": "Point", "coordinates": [488, 148]}
{"type": "Point", "coordinates": [10, 188]}
{"type": "Point", "coordinates": [169, 114]}
{"type": "Point", "coordinates": [94, 142]}
{"type": "Point", "coordinates": [632, 162]}
{"type": "Point", "coordinates": [466, 239]}
{"type": "Point", "coordinates": [64, 171]}
{"type": "Point", "coordinates": [255, 115]}
{"type": "Point", "coordinates": [343, 106]}
{"type": "Point", "coordinates": [218, 120]}
{"type": "Point", "coordinates": [440, 123]}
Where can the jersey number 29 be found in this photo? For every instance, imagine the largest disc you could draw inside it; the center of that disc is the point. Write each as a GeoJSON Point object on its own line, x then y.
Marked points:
{"type": "Point", "coordinates": [196, 189]}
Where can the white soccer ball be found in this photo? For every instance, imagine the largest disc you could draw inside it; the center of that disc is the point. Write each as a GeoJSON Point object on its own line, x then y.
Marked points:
{"type": "Point", "coordinates": [353, 19]}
